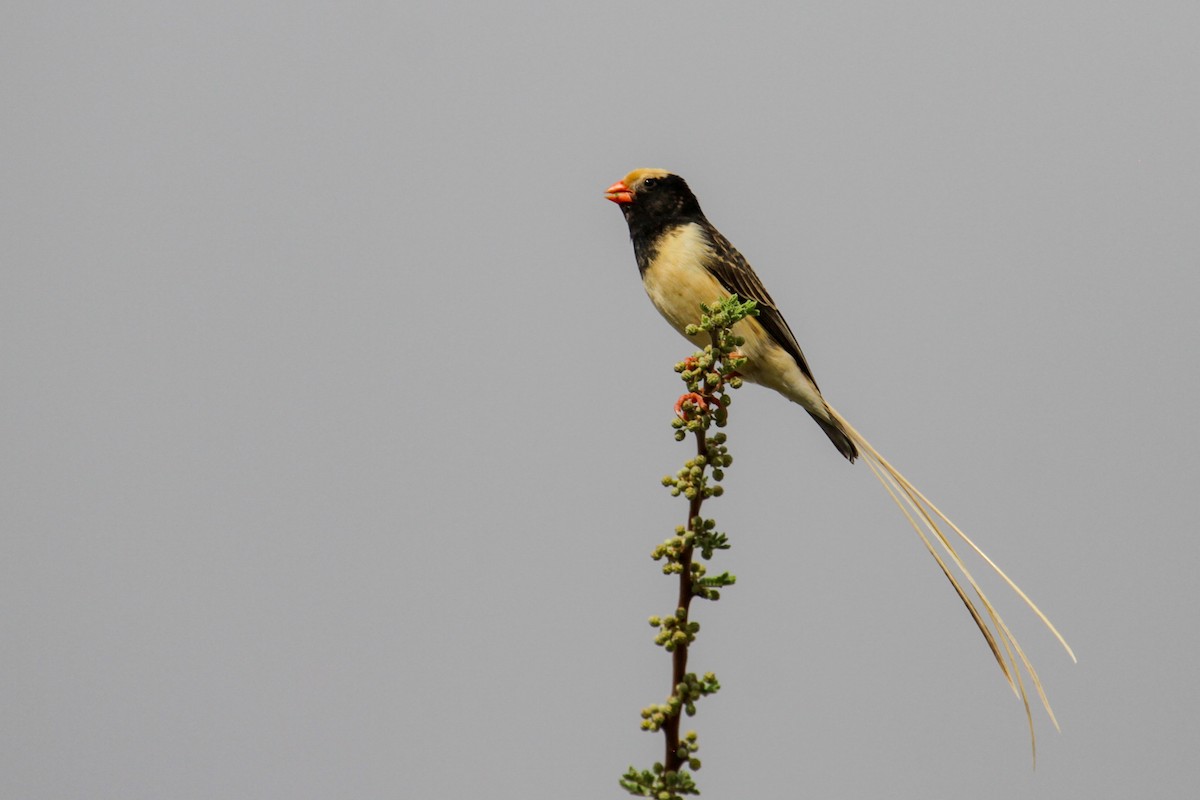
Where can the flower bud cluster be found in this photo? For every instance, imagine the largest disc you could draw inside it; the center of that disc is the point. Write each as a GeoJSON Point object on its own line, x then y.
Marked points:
{"type": "Point", "coordinates": [674, 630]}
{"type": "Point", "coordinates": [688, 746]}
{"type": "Point", "coordinates": [718, 455]}
{"type": "Point", "coordinates": [691, 689]}
{"type": "Point", "coordinates": [673, 549]}
{"type": "Point", "coordinates": [692, 480]}
{"type": "Point", "coordinates": [687, 692]}
{"type": "Point", "coordinates": [655, 716]}
{"type": "Point", "coordinates": [659, 783]}
{"type": "Point", "coordinates": [706, 538]}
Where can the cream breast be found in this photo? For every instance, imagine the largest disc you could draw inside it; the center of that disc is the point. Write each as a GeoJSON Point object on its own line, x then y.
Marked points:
{"type": "Point", "coordinates": [678, 281]}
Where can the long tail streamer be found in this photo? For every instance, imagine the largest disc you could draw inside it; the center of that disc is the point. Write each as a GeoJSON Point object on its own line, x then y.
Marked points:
{"type": "Point", "coordinates": [928, 521]}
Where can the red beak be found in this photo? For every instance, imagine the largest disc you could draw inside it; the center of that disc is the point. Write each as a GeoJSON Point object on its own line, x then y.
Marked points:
{"type": "Point", "coordinates": [619, 193]}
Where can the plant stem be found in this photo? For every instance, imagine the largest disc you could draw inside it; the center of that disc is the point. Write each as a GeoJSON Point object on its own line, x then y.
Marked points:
{"type": "Point", "coordinates": [708, 374]}
{"type": "Point", "coordinates": [672, 761]}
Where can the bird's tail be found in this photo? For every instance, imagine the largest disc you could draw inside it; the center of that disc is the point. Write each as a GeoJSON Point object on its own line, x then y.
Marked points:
{"type": "Point", "coordinates": [931, 524]}
{"type": "Point", "coordinates": [839, 436]}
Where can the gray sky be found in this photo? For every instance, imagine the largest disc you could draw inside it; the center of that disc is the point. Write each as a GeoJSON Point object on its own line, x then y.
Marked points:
{"type": "Point", "coordinates": [334, 412]}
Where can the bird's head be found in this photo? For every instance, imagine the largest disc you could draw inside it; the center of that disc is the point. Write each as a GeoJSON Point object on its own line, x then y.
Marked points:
{"type": "Point", "coordinates": [651, 197]}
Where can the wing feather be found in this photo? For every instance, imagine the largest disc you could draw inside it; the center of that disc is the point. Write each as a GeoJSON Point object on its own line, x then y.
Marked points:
{"type": "Point", "coordinates": [735, 274]}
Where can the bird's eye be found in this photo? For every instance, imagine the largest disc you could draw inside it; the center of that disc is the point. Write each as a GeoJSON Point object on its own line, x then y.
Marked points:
{"type": "Point", "coordinates": [649, 183]}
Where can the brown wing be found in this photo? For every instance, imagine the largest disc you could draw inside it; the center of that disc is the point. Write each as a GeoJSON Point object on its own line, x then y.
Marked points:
{"type": "Point", "coordinates": [735, 274]}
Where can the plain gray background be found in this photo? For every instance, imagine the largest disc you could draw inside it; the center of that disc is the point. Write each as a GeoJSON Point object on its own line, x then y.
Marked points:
{"type": "Point", "coordinates": [334, 412]}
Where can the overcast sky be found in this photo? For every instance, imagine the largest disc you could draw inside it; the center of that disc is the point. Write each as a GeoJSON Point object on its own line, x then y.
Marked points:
{"type": "Point", "coordinates": [333, 411]}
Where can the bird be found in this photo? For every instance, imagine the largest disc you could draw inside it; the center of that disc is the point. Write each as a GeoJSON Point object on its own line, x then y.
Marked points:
{"type": "Point", "coordinates": [684, 261]}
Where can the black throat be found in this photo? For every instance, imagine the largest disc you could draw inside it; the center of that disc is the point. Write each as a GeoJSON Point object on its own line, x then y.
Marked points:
{"type": "Point", "coordinates": [655, 213]}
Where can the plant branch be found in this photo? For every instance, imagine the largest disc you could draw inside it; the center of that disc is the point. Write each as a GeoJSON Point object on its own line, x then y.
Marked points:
{"type": "Point", "coordinates": [708, 374]}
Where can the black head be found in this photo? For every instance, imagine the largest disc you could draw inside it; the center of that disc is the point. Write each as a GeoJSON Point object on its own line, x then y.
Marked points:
{"type": "Point", "coordinates": [654, 200]}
